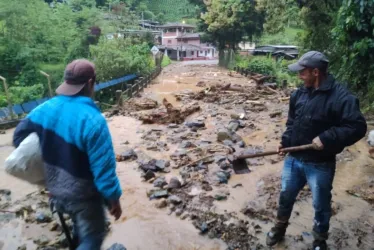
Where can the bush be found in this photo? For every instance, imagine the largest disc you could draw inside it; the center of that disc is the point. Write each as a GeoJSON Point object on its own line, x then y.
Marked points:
{"type": "Point", "coordinates": [165, 61]}
{"type": "Point", "coordinates": [262, 65]}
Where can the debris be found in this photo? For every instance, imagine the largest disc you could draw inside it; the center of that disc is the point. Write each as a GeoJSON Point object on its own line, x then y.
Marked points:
{"type": "Point", "coordinates": [5, 192]}
{"type": "Point", "coordinates": [237, 185]}
{"type": "Point", "coordinates": [174, 183]}
{"type": "Point", "coordinates": [53, 226]}
{"type": "Point", "coordinates": [241, 144]}
{"type": "Point", "coordinates": [149, 175]}
{"type": "Point", "coordinates": [117, 246]}
{"type": "Point", "coordinates": [162, 203]}
{"type": "Point", "coordinates": [275, 114]}
{"type": "Point", "coordinates": [41, 240]}
{"type": "Point", "coordinates": [162, 164]}
{"type": "Point", "coordinates": [233, 125]}
{"type": "Point", "coordinates": [23, 247]}
{"type": "Point", "coordinates": [179, 212]}
{"type": "Point", "coordinates": [43, 217]}
{"type": "Point", "coordinates": [173, 125]}
{"type": "Point", "coordinates": [220, 197]}
{"type": "Point", "coordinates": [224, 135]}
{"type": "Point", "coordinates": [364, 191]}
{"type": "Point", "coordinates": [197, 124]}
{"type": "Point", "coordinates": [174, 199]}
{"type": "Point", "coordinates": [186, 144]}
{"type": "Point", "coordinates": [127, 155]}
{"type": "Point", "coordinates": [160, 182]}
{"type": "Point", "coordinates": [200, 84]}
{"type": "Point", "coordinates": [2, 132]}
{"type": "Point", "coordinates": [159, 194]}
{"type": "Point", "coordinates": [223, 177]}
{"type": "Point", "coordinates": [172, 115]}
{"type": "Point", "coordinates": [298, 238]}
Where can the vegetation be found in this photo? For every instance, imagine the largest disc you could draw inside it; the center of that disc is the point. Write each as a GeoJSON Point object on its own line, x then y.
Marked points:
{"type": "Point", "coordinates": [172, 10]}
{"type": "Point", "coordinates": [165, 61]}
{"type": "Point", "coordinates": [36, 36]}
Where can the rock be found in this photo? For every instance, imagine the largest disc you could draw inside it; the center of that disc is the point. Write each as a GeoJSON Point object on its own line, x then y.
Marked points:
{"type": "Point", "coordinates": [195, 124]}
{"type": "Point", "coordinates": [194, 191]}
{"type": "Point", "coordinates": [233, 125]}
{"type": "Point", "coordinates": [43, 217]}
{"type": "Point", "coordinates": [237, 185]}
{"type": "Point", "coordinates": [173, 125]}
{"type": "Point", "coordinates": [219, 158]}
{"type": "Point", "coordinates": [224, 135]}
{"type": "Point", "coordinates": [6, 192]}
{"type": "Point", "coordinates": [235, 116]}
{"type": "Point", "coordinates": [2, 132]}
{"type": "Point", "coordinates": [174, 200]}
{"type": "Point", "coordinates": [186, 144]}
{"type": "Point", "coordinates": [148, 165]}
{"type": "Point", "coordinates": [160, 182]}
{"type": "Point", "coordinates": [149, 175]}
{"type": "Point", "coordinates": [224, 165]}
{"type": "Point", "coordinates": [222, 177]}
{"type": "Point", "coordinates": [128, 155]}
{"type": "Point", "coordinates": [179, 212]}
{"type": "Point", "coordinates": [298, 238]}
{"type": "Point", "coordinates": [53, 226]}
{"type": "Point", "coordinates": [206, 187]}
{"type": "Point", "coordinates": [185, 216]}
{"type": "Point", "coordinates": [159, 194]}
{"type": "Point", "coordinates": [228, 143]}
{"type": "Point", "coordinates": [42, 240]}
{"type": "Point", "coordinates": [220, 197]}
{"type": "Point", "coordinates": [117, 246]}
{"type": "Point", "coordinates": [23, 247]}
{"type": "Point", "coordinates": [185, 174]}
{"type": "Point", "coordinates": [175, 183]}
{"type": "Point", "coordinates": [162, 203]}
{"type": "Point", "coordinates": [241, 144]}
{"type": "Point", "coordinates": [275, 114]}
{"type": "Point", "coordinates": [204, 228]}
{"type": "Point", "coordinates": [200, 84]}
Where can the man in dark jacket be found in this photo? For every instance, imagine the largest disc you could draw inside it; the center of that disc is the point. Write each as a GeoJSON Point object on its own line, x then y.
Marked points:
{"type": "Point", "coordinates": [323, 113]}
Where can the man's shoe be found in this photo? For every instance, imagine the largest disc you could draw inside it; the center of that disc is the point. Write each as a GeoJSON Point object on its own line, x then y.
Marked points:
{"type": "Point", "coordinates": [319, 245]}
{"type": "Point", "coordinates": [275, 235]}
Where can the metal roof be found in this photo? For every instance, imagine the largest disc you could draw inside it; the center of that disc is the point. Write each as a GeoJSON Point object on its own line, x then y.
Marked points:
{"type": "Point", "coordinates": [177, 25]}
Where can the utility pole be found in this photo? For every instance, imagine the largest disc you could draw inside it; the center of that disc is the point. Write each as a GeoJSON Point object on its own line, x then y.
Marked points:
{"type": "Point", "coordinates": [10, 106]}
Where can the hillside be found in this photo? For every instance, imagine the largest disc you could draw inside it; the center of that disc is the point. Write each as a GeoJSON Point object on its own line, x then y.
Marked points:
{"type": "Point", "coordinates": [174, 10]}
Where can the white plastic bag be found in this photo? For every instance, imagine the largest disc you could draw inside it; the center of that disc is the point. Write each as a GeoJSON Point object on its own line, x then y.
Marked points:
{"type": "Point", "coordinates": [26, 161]}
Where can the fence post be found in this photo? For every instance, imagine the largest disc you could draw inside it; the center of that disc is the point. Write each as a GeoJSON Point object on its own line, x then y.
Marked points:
{"type": "Point", "coordinates": [49, 82]}
{"type": "Point", "coordinates": [284, 84]}
{"type": "Point", "coordinates": [119, 97]}
{"type": "Point", "coordinates": [10, 105]}
{"type": "Point", "coordinates": [129, 90]}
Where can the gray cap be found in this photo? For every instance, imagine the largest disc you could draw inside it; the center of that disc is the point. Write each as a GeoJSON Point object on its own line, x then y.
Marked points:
{"type": "Point", "coordinates": [311, 59]}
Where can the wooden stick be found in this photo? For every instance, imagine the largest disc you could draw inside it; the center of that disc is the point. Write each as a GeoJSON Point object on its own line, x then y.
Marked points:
{"type": "Point", "coordinates": [284, 150]}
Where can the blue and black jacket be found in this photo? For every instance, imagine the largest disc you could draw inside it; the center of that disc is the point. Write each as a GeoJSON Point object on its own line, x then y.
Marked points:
{"type": "Point", "coordinates": [76, 147]}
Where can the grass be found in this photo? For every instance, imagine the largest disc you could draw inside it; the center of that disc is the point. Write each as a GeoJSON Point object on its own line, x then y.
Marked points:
{"type": "Point", "coordinates": [165, 61]}
{"type": "Point", "coordinates": [174, 10]}
{"type": "Point", "coordinates": [288, 37]}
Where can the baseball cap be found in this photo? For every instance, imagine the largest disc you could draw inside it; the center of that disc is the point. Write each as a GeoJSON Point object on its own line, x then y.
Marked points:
{"type": "Point", "coordinates": [311, 59]}
{"type": "Point", "coordinates": [77, 74]}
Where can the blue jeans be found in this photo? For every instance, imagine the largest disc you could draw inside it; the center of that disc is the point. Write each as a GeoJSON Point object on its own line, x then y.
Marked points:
{"type": "Point", "coordinates": [89, 221]}
{"type": "Point", "coordinates": [319, 177]}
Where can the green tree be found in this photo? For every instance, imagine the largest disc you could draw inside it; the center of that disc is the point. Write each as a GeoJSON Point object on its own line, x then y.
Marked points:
{"type": "Point", "coordinates": [228, 22]}
{"type": "Point", "coordinates": [352, 53]}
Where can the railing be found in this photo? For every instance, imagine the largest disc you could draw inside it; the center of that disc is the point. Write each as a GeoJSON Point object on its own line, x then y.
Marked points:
{"type": "Point", "coordinates": [131, 90]}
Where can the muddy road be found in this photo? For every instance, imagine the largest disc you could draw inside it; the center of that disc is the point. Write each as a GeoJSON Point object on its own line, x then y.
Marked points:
{"type": "Point", "coordinates": [173, 200]}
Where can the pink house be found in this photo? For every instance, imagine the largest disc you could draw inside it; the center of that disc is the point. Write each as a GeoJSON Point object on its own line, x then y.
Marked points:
{"type": "Point", "coordinates": [180, 42]}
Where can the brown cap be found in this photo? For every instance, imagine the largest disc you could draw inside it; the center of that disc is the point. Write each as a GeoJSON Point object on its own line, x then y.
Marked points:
{"type": "Point", "coordinates": [77, 74]}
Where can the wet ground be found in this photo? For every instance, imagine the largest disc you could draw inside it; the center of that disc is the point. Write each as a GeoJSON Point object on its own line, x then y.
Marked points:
{"type": "Point", "coordinates": [210, 215]}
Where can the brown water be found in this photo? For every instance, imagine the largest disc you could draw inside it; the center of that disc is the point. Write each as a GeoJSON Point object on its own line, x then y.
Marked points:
{"type": "Point", "coordinates": [142, 226]}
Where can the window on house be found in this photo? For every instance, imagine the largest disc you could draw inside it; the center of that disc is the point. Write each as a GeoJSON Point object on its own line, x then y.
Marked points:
{"type": "Point", "coordinates": [169, 41]}
{"type": "Point", "coordinates": [206, 52]}
{"type": "Point", "coordinates": [192, 53]}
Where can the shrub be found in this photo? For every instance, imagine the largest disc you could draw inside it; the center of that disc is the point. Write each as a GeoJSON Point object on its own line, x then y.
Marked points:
{"type": "Point", "coordinates": [262, 65]}
{"type": "Point", "coordinates": [165, 61]}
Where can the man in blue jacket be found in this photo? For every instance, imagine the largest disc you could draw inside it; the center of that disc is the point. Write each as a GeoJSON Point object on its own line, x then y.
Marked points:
{"type": "Point", "coordinates": [323, 113]}
{"type": "Point", "coordinates": [80, 166]}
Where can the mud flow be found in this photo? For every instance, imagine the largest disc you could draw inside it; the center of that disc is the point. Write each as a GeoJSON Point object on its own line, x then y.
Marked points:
{"type": "Point", "coordinates": [174, 145]}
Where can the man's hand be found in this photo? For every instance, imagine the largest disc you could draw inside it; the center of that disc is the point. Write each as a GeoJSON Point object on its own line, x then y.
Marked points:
{"type": "Point", "coordinates": [279, 150]}
{"type": "Point", "coordinates": [317, 144]}
{"type": "Point", "coordinates": [115, 209]}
